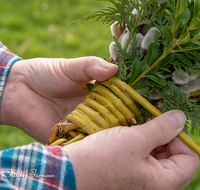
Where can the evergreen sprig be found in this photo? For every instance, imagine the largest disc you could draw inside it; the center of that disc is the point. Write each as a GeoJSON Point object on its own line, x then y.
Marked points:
{"type": "Point", "coordinates": [177, 48]}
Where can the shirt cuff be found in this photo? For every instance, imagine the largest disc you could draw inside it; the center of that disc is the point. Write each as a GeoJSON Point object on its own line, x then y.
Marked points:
{"type": "Point", "coordinates": [7, 59]}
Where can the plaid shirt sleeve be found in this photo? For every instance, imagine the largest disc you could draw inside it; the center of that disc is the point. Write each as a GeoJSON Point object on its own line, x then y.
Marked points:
{"type": "Point", "coordinates": [7, 59]}
{"type": "Point", "coordinates": [35, 166]}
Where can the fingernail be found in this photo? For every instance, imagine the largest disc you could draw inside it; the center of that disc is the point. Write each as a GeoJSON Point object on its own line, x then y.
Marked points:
{"type": "Point", "coordinates": [106, 65]}
{"type": "Point", "coordinates": [177, 119]}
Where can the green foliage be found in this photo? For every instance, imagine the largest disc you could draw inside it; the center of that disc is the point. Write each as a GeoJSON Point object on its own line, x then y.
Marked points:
{"type": "Point", "coordinates": [167, 34]}
{"type": "Point", "coordinates": [176, 48]}
{"type": "Point", "coordinates": [152, 54]}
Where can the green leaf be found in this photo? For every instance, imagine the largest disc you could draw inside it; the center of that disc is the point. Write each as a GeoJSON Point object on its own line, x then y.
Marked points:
{"type": "Point", "coordinates": [167, 34]}
{"type": "Point", "coordinates": [164, 53]}
{"type": "Point", "coordinates": [185, 2]}
{"type": "Point", "coordinates": [195, 54]}
{"type": "Point", "coordinates": [197, 37]}
{"type": "Point", "coordinates": [90, 86]}
{"type": "Point", "coordinates": [152, 53]}
{"type": "Point", "coordinates": [171, 15]}
{"type": "Point", "coordinates": [167, 60]}
{"type": "Point", "coordinates": [191, 57]}
{"type": "Point", "coordinates": [186, 38]}
{"type": "Point", "coordinates": [183, 18]}
{"type": "Point", "coordinates": [180, 7]}
{"type": "Point", "coordinates": [184, 59]}
{"type": "Point", "coordinates": [195, 48]}
{"type": "Point", "coordinates": [189, 46]}
{"type": "Point", "coordinates": [196, 8]}
{"type": "Point", "coordinates": [136, 70]}
{"type": "Point", "coordinates": [142, 89]}
{"type": "Point", "coordinates": [195, 32]}
{"type": "Point", "coordinates": [144, 65]}
{"type": "Point", "coordinates": [197, 42]}
{"type": "Point", "coordinates": [194, 24]}
{"type": "Point", "coordinates": [157, 80]}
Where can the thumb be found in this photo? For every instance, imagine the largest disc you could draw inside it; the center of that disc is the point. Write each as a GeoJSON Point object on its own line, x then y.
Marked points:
{"type": "Point", "coordinates": [89, 68]}
{"type": "Point", "coordinates": [161, 130]}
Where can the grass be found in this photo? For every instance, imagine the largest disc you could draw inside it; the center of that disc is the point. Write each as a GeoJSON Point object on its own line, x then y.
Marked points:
{"type": "Point", "coordinates": [40, 29]}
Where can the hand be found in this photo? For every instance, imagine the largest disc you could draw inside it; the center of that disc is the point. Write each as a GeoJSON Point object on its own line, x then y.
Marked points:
{"type": "Point", "coordinates": [138, 157]}
{"type": "Point", "coordinates": [41, 92]}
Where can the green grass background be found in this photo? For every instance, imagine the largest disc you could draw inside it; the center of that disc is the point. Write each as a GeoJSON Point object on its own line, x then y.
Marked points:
{"type": "Point", "coordinates": [39, 28]}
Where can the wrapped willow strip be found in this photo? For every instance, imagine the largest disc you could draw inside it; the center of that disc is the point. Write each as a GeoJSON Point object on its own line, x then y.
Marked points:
{"type": "Point", "coordinates": [99, 112]}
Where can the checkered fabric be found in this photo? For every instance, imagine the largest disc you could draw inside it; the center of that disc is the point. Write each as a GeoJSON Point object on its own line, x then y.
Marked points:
{"type": "Point", "coordinates": [36, 167]}
{"type": "Point", "coordinates": [7, 59]}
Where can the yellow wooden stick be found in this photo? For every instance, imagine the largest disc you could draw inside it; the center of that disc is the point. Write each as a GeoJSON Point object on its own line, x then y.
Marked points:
{"type": "Point", "coordinates": [93, 115]}
{"type": "Point", "coordinates": [77, 138]}
{"type": "Point", "coordinates": [108, 116]}
{"type": "Point", "coordinates": [128, 101]}
{"type": "Point", "coordinates": [116, 101]}
{"type": "Point", "coordinates": [153, 110]}
{"type": "Point", "coordinates": [102, 100]}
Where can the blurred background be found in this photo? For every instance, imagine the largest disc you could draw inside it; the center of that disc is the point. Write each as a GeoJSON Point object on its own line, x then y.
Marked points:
{"type": "Point", "coordinates": [40, 28]}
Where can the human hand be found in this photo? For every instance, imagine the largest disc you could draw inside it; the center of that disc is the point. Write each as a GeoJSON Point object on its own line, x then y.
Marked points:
{"type": "Point", "coordinates": [139, 157]}
{"type": "Point", "coordinates": [41, 92]}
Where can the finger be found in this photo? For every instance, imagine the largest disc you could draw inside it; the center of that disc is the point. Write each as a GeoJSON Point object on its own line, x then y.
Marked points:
{"type": "Point", "coordinates": [161, 130]}
{"type": "Point", "coordinates": [89, 68]}
{"type": "Point", "coordinates": [188, 182]}
{"type": "Point", "coordinates": [177, 148]}
{"type": "Point", "coordinates": [182, 164]}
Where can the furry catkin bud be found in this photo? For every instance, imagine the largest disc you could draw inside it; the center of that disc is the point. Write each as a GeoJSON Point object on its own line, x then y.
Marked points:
{"type": "Point", "coordinates": [180, 78]}
{"type": "Point", "coordinates": [154, 96]}
{"type": "Point", "coordinates": [160, 1]}
{"type": "Point", "coordinates": [114, 29]}
{"type": "Point", "coordinates": [139, 38]}
{"type": "Point", "coordinates": [145, 28]}
{"type": "Point", "coordinates": [191, 86]}
{"type": "Point", "coordinates": [114, 51]}
{"type": "Point", "coordinates": [150, 37]}
{"type": "Point", "coordinates": [134, 11]}
{"type": "Point", "coordinates": [123, 39]}
{"type": "Point", "coordinates": [191, 76]}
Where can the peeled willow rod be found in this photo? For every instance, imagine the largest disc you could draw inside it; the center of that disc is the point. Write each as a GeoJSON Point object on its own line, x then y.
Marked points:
{"type": "Point", "coordinates": [153, 110]}
{"type": "Point", "coordinates": [109, 117]}
{"type": "Point", "coordinates": [93, 115]}
{"type": "Point", "coordinates": [128, 101]}
{"type": "Point", "coordinates": [118, 103]}
{"type": "Point", "coordinates": [102, 100]}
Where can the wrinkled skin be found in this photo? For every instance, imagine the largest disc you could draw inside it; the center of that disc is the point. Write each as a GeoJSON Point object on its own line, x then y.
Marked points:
{"type": "Point", "coordinates": [138, 157]}
{"type": "Point", "coordinates": [41, 92]}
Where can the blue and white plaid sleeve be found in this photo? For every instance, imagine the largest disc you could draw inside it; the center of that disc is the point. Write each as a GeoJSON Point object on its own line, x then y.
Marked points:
{"type": "Point", "coordinates": [36, 167]}
{"type": "Point", "coordinates": [7, 59]}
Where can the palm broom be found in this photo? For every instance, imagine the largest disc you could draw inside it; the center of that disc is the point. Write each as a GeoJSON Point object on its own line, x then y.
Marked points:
{"type": "Point", "coordinates": [154, 76]}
